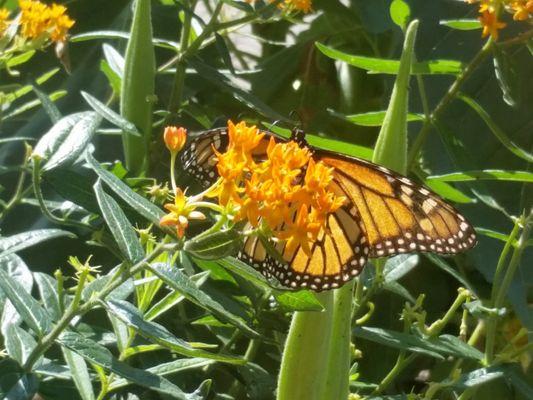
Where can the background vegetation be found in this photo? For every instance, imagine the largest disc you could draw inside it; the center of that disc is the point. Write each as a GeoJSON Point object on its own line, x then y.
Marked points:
{"type": "Point", "coordinates": [84, 316]}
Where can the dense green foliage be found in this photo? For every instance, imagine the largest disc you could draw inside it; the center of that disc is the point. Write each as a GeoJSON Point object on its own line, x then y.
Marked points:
{"type": "Point", "coordinates": [98, 301]}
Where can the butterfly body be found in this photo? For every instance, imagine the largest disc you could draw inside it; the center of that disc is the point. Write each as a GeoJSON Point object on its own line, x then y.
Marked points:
{"type": "Point", "coordinates": [384, 214]}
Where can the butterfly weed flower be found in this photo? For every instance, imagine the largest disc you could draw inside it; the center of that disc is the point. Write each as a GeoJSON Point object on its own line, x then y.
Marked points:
{"type": "Point", "coordinates": [175, 138]}
{"type": "Point", "coordinates": [288, 6]}
{"type": "Point", "coordinates": [180, 212]}
{"type": "Point", "coordinates": [491, 24]}
{"type": "Point", "coordinates": [287, 195]}
{"type": "Point", "coordinates": [489, 10]}
{"type": "Point", "coordinates": [40, 22]}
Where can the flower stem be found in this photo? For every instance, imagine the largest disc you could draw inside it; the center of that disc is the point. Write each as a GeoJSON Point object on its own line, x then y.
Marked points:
{"type": "Point", "coordinates": [446, 100]}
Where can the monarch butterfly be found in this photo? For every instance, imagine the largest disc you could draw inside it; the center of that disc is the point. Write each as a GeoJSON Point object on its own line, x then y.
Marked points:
{"type": "Point", "coordinates": [385, 214]}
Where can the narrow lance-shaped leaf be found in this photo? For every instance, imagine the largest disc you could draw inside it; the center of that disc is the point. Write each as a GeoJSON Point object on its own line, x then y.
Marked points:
{"type": "Point", "coordinates": [156, 333]}
{"type": "Point", "coordinates": [487, 174]}
{"type": "Point", "coordinates": [109, 115]}
{"type": "Point", "coordinates": [80, 373]}
{"type": "Point", "coordinates": [496, 130]}
{"type": "Point", "coordinates": [118, 224]}
{"type": "Point", "coordinates": [177, 280]}
{"type": "Point", "coordinates": [19, 343]}
{"type": "Point", "coordinates": [386, 66]}
{"type": "Point", "coordinates": [99, 355]}
{"type": "Point", "coordinates": [67, 139]}
{"type": "Point", "coordinates": [143, 206]}
{"type": "Point", "coordinates": [20, 241]}
{"type": "Point", "coordinates": [29, 309]}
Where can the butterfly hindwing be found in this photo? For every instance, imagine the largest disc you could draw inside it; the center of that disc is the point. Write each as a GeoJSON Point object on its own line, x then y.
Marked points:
{"type": "Point", "coordinates": [399, 216]}
{"type": "Point", "coordinates": [337, 256]}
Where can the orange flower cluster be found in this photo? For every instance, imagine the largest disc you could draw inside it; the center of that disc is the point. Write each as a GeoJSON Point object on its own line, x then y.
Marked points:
{"type": "Point", "coordinates": [304, 6]}
{"type": "Point", "coordinates": [489, 10]}
{"type": "Point", "coordinates": [288, 191]}
{"type": "Point", "coordinates": [39, 20]}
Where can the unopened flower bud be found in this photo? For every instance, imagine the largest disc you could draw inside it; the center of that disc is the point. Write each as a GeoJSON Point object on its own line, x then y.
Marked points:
{"type": "Point", "coordinates": [175, 138]}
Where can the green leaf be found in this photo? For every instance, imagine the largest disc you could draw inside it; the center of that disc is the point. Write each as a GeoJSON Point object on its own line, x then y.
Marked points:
{"type": "Point", "coordinates": [434, 347]}
{"type": "Point", "coordinates": [327, 144]}
{"type": "Point", "coordinates": [229, 85]}
{"type": "Point", "coordinates": [143, 206]}
{"type": "Point", "coordinates": [99, 355]}
{"type": "Point", "coordinates": [302, 300]}
{"type": "Point", "coordinates": [462, 24]}
{"type": "Point", "coordinates": [172, 367]}
{"type": "Point", "coordinates": [215, 245]}
{"type": "Point", "coordinates": [35, 103]}
{"type": "Point", "coordinates": [109, 115]}
{"type": "Point", "coordinates": [138, 87]}
{"type": "Point", "coordinates": [29, 309]}
{"type": "Point", "coordinates": [20, 241]}
{"type": "Point", "coordinates": [173, 298]}
{"type": "Point", "coordinates": [439, 262]}
{"type": "Point", "coordinates": [20, 58]}
{"type": "Point", "coordinates": [25, 388]}
{"type": "Point", "coordinates": [507, 75]}
{"type": "Point", "coordinates": [115, 60]}
{"type": "Point", "coordinates": [448, 191]}
{"type": "Point", "coordinates": [495, 129]}
{"type": "Point", "coordinates": [400, 13]}
{"type": "Point", "coordinates": [67, 139]}
{"type": "Point", "coordinates": [516, 378]}
{"type": "Point", "coordinates": [248, 273]}
{"type": "Point", "coordinates": [19, 344]}
{"type": "Point", "coordinates": [15, 267]}
{"type": "Point", "coordinates": [158, 334]}
{"type": "Point", "coordinates": [386, 66]}
{"type": "Point", "coordinates": [373, 118]}
{"type": "Point", "coordinates": [487, 174]}
{"type": "Point", "coordinates": [178, 281]}
{"type": "Point", "coordinates": [399, 266]}
{"type": "Point", "coordinates": [108, 34]}
{"type": "Point", "coordinates": [118, 224]}
{"type": "Point", "coordinates": [120, 293]}
{"type": "Point", "coordinates": [48, 104]}
{"type": "Point", "coordinates": [80, 373]}
{"type": "Point", "coordinates": [48, 291]}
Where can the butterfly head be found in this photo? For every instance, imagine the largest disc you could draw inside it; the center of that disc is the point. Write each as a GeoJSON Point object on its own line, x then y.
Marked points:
{"type": "Point", "coordinates": [298, 135]}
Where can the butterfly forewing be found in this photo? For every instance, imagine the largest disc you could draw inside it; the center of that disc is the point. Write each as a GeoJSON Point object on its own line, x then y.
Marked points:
{"type": "Point", "coordinates": [199, 158]}
{"type": "Point", "coordinates": [399, 216]}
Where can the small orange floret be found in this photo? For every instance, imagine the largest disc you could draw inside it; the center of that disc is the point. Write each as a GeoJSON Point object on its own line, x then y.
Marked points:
{"type": "Point", "coordinates": [175, 138]}
{"type": "Point", "coordinates": [491, 24]}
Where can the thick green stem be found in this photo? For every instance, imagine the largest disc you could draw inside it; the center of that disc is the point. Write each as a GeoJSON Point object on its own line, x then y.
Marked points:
{"type": "Point", "coordinates": [302, 375]}
{"type": "Point", "coordinates": [338, 366]}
